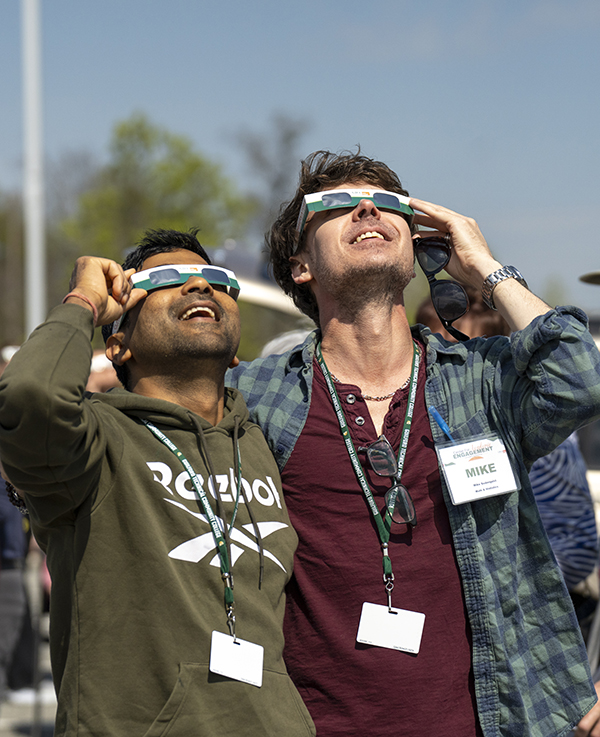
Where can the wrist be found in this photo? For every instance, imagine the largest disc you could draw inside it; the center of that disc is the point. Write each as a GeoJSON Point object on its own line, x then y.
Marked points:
{"type": "Point", "coordinates": [483, 270]}
{"type": "Point", "coordinates": [84, 301]}
{"type": "Point", "coordinates": [495, 278]}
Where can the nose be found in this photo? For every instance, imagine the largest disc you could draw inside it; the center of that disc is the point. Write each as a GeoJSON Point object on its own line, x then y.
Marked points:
{"type": "Point", "coordinates": [197, 283]}
{"type": "Point", "coordinates": [365, 208]}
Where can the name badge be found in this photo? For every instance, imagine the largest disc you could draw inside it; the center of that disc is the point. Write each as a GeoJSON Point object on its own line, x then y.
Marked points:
{"type": "Point", "coordinates": [237, 659]}
{"type": "Point", "coordinates": [395, 629]}
{"type": "Point", "coordinates": [477, 469]}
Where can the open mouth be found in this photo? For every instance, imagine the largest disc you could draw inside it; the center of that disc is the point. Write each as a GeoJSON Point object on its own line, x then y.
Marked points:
{"type": "Point", "coordinates": [201, 312]}
{"type": "Point", "coordinates": [368, 234]}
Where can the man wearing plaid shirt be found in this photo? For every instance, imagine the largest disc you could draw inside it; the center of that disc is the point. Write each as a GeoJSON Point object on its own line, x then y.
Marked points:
{"type": "Point", "coordinates": [470, 631]}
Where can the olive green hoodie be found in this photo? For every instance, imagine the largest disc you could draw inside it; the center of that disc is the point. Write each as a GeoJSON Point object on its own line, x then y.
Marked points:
{"type": "Point", "coordinates": [136, 584]}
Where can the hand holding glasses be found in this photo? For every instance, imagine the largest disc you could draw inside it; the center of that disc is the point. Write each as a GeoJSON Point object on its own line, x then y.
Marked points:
{"type": "Point", "coordinates": [449, 299]}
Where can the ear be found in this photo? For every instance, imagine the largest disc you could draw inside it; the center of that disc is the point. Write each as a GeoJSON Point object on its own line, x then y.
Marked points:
{"type": "Point", "coordinates": [234, 362]}
{"type": "Point", "coordinates": [116, 350]}
{"type": "Point", "coordinates": [301, 272]}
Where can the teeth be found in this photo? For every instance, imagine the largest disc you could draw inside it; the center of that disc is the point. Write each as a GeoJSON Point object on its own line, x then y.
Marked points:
{"type": "Point", "coordinates": [370, 234]}
{"type": "Point", "coordinates": [193, 310]}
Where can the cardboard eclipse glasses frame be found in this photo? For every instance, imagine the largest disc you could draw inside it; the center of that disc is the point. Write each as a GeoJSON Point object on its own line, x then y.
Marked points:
{"type": "Point", "coordinates": [349, 198]}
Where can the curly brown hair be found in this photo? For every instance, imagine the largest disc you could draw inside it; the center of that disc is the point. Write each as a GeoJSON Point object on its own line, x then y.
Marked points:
{"type": "Point", "coordinates": [320, 171]}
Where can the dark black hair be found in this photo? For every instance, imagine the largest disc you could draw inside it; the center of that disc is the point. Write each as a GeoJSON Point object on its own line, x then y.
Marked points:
{"type": "Point", "coordinates": [153, 243]}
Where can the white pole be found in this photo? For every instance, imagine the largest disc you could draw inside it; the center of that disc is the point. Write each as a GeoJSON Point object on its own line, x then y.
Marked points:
{"type": "Point", "coordinates": [33, 183]}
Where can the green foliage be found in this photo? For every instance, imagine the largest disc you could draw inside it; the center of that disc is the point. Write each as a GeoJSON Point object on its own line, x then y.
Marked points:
{"type": "Point", "coordinates": [154, 179]}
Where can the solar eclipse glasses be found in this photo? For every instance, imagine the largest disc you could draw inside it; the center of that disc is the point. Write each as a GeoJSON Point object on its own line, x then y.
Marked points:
{"type": "Point", "coordinates": [171, 275]}
{"type": "Point", "coordinates": [349, 198]}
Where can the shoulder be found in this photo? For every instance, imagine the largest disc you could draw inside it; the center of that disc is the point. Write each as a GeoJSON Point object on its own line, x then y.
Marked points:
{"type": "Point", "coordinates": [255, 376]}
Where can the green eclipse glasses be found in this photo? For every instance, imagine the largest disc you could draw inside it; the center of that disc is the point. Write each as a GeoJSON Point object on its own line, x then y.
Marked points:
{"type": "Point", "coordinates": [170, 275]}
{"type": "Point", "coordinates": [173, 274]}
{"type": "Point", "coordinates": [349, 198]}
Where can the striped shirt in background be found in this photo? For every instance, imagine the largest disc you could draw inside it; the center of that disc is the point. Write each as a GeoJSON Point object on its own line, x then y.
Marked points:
{"type": "Point", "coordinates": [567, 511]}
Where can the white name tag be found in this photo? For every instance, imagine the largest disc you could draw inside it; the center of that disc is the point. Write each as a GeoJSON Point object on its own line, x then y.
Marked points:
{"type": "Point", "coordinates": [477, 469]}
{"type": "Point", "coordinates": [397, 629]}
{"type": "Point", "coordinates": [237, 659]}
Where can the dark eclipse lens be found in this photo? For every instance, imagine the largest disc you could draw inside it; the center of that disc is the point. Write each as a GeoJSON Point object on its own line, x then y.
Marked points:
{"type": "Point", "coordinates": [214, 276]}
{"type": "Point", "coordinates": [386, 200]}
{"type": "Point", "coordinates": [165, 276]}
{"type": "Point", "coordinates": [338, 199]}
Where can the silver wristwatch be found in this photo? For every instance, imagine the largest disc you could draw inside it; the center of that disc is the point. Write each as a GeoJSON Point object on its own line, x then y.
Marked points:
{"type": "Point", "coordinates": [491, 282]}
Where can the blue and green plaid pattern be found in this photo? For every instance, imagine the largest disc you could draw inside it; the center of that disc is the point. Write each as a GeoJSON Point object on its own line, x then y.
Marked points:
{"type": "Point", "coordinates": [534, 390]}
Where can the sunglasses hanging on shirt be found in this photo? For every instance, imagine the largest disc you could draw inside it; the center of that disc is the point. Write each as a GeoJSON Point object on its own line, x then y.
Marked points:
{"type": "Point", "coordinates": [397, 499]}
{"type": "Point", "coordinates": [449, 299]}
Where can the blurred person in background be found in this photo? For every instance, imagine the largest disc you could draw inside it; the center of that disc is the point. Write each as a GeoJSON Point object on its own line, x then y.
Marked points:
{"type": "Point", "coordinates": [590, 724]}
{"type": "Point", "coordinates": [13, 601]}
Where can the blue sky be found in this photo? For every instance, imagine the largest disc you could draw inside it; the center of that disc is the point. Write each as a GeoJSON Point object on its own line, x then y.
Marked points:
{"type": "Point", "coordinates": [489, 108]}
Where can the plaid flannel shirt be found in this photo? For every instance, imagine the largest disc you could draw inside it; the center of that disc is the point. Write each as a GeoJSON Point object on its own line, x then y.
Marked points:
{"type": "Point", "coordinates": [533, 390]}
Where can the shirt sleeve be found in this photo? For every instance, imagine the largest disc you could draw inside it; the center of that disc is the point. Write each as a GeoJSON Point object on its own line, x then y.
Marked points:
{"type": "Point", "coordinates": [48, 431]}
{"type": "Point", "coordinates": [557, 387]}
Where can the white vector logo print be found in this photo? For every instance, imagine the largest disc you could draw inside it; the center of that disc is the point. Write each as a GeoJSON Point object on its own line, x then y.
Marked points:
{"type": "Point", "coordinates": [197, 548]}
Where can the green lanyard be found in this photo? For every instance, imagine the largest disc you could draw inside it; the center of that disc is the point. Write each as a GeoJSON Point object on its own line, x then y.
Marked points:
{"type": "Point", "coordinates": [218, 536]}
{"type": "Point", "coordinates": [383, 524]}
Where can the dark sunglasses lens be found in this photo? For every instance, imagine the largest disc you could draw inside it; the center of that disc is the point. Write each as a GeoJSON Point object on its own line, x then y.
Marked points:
{"type": "Point", "coordinates": [382, 458]}
{"type": "Point", "coordinates": [432, 258]}
{"type": "Point", "coordinates": [449, 299]}
{"type": "Point", "coordinates": [166, 276]}
{"type": "Point", "coordinates": [403, 509]}
{"type": "Point", "coordinates": [337, 199]}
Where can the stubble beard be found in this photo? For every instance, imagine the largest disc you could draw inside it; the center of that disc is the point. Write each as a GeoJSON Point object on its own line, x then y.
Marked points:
{"type": "Point", "coordinates": [377, 285]}
{"type": "Point", "coordinates": [184, 357]}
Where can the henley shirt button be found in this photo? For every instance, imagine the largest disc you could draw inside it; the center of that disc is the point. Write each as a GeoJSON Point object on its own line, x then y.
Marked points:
{"type": "Point", "coordinates": [360, 420]}
{"type": "Point", "coordinates": [351, 399]}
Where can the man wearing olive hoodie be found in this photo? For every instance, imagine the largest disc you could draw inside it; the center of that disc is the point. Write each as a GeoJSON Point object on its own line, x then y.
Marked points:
{"type": "Point", "coordinates": [151, 501]}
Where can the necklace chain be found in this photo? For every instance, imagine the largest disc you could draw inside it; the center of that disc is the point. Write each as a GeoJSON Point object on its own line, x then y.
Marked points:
{"type": "Point", "coordinates": [375, 399]}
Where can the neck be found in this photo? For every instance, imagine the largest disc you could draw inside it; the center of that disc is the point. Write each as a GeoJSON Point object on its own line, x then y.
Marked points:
{"type": "Point", "coordinates": [374, 351]}
{"type": "Point", "coordinates": [203, 395]}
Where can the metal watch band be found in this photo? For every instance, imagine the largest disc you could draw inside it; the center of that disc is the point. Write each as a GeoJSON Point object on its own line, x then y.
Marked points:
{"type": "Point", "coordinates": [491, 282]}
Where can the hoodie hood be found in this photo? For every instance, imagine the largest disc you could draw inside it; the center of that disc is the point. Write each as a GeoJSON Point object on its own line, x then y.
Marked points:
{"type": "Point", "coordinates": [174, 415]}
